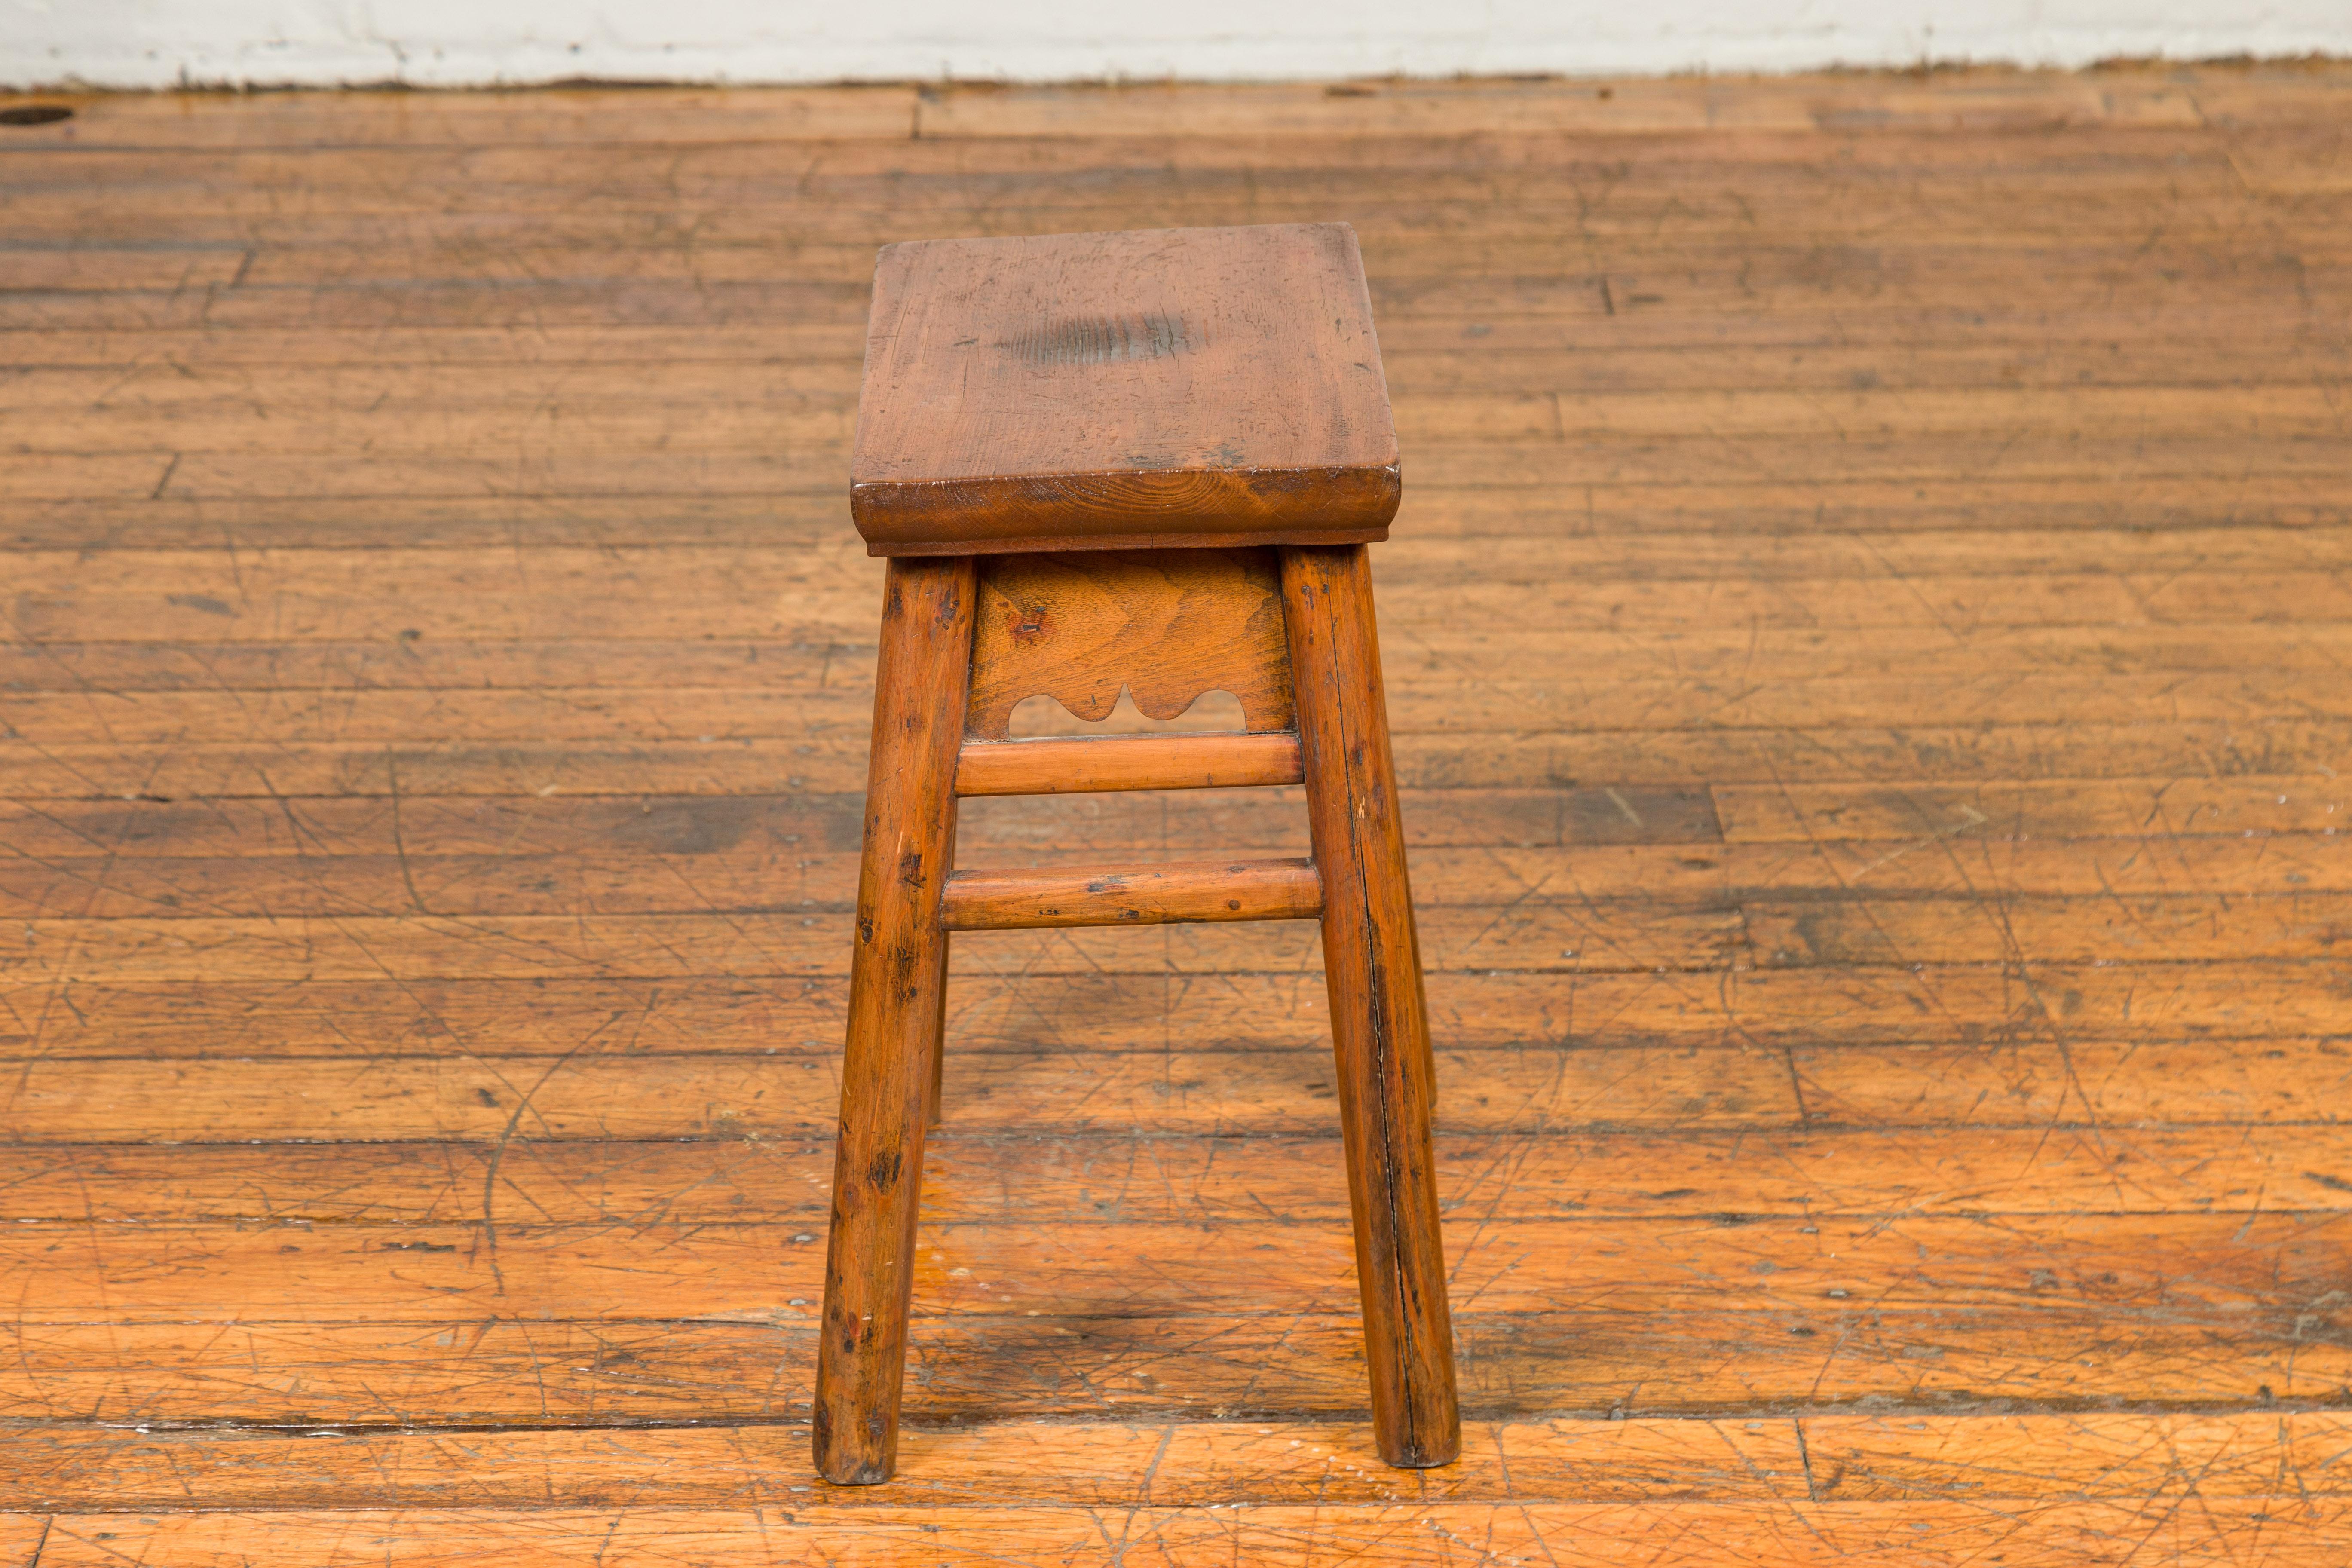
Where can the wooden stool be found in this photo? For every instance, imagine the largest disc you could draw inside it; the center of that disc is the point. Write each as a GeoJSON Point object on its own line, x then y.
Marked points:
{"type": "Point", "coordinates": [1146, 462]}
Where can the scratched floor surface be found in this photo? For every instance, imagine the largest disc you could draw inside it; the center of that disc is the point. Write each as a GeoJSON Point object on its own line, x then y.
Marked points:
{"type": "Point", "coordinates": [1866, 640]}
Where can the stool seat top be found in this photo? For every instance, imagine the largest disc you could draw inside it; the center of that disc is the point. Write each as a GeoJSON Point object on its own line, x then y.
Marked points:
{"type": "Point", "coordinates": [1144, 389]}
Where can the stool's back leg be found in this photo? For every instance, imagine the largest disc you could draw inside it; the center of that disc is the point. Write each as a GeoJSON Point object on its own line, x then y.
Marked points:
{"type": "Point", "coordinates": [895, 967]}
{"type": "Point", "coordinates": [934, 1112]}
{"type": "Point", "coordinates": [1379, 1023]}
{"type": "Point", "coordinates": [939, 991]}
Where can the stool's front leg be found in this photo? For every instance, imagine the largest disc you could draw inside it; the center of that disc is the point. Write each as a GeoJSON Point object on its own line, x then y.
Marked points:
{"type": "Point", "coordinates": [894, 978]}
{"type": "Point", "coordinates": [1379, 1023]}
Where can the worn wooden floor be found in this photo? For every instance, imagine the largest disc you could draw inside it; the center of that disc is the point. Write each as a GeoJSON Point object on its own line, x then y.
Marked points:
{"type": "Point", "coordinates": [1867, 635]}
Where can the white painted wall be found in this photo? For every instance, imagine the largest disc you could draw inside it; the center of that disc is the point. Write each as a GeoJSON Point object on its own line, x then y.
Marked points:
{"type": "Point", "coordinates": [155, 43]}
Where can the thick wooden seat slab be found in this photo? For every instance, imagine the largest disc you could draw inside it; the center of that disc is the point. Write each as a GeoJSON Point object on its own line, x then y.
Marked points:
{"type": "Point", "coordinates": [1183, 386]}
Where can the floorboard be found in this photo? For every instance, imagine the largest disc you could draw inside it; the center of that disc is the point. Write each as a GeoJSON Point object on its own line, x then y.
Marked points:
{"type": "Point", "coordinates": [1864, 640]}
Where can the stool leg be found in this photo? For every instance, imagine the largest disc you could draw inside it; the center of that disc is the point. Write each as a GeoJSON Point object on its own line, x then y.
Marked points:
{"type": "Point", "coordinates": [935, 1112]}
{"type": "Point", "coordinates": [1379, 1021]}
{"type": "Point", "coordinates": [895, 972]}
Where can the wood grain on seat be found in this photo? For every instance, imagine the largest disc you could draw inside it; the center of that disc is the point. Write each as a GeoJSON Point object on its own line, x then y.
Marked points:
{"type": "Point", "coordinates": [1181, 386]}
